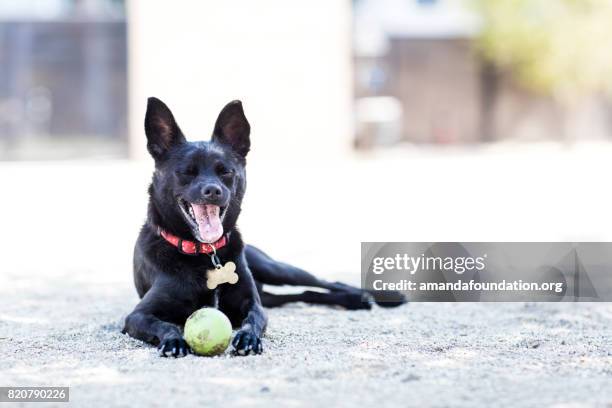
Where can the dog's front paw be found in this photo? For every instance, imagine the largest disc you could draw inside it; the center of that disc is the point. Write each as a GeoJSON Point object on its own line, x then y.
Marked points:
{"type": "Point", "coordinates": [173, 347]}
{"type": "Point", "coordinates": [246, 342]}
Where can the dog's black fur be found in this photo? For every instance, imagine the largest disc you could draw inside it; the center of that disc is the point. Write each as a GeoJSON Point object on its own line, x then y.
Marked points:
{"type": "Point", "coordinates": [171, 284]}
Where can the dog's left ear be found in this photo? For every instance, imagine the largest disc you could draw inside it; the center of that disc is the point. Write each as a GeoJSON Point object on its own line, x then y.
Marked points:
{"type": "Point", "coordinates": [233, 129]}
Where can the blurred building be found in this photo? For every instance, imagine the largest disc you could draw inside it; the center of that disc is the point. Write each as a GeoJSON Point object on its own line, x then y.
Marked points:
{"type": "Point", "coordinates": [63, 78]}
{"type": "Point", "coordinates": [419, 79]}
{"type": "Point", "coordinates": [315, 77]}
{"type": "Point", "coordinates": [413, 59]}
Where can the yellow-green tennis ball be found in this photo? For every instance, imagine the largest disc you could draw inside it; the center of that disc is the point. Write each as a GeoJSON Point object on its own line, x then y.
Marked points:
{"type": "Point", "coordinates": [208, 332]}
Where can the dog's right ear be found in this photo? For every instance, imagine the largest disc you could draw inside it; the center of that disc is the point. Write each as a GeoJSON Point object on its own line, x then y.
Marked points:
{"type": "Point", "coordinates": [161, 129]}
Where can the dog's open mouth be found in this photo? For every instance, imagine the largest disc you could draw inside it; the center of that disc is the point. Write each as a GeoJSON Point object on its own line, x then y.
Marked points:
{"type": "Point", "coordinates": [205, 220]}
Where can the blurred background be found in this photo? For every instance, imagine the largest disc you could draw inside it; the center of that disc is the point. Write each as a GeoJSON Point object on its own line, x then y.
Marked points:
{"type": "Point", "coordinates": [372, 120]}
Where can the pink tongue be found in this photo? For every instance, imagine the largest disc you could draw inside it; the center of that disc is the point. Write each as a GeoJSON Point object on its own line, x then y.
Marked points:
{"type": "Point", "coordinates": [209, 223]}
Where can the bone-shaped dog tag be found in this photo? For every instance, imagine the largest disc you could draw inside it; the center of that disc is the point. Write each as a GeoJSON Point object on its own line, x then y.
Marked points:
{"type": "Point", "coordinates": [224, 274]}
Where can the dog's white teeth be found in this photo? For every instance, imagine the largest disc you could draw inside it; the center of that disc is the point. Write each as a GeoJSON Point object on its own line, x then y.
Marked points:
{"type": "Point", "coordinates": [191, 212]}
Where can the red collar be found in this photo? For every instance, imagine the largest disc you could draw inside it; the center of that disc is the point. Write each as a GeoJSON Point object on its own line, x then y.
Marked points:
{"type": "Point", "coordinates": [191, 247]}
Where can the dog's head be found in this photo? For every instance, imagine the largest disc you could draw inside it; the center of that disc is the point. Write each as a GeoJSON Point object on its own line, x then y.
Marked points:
{"type": "Point", "coordinates": [197, 187]}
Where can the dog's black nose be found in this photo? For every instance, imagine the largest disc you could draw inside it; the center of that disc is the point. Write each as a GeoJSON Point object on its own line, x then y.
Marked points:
{"type": "Point", "coordinates": [212, 192]}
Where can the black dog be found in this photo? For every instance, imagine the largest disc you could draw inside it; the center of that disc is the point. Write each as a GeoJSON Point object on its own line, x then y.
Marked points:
{"type": "Point", "coordinates": [190, 233]}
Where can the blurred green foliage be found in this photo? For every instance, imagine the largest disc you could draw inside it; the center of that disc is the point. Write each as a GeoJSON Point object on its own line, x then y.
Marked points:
{"type": "Point", "coordinates": [561, 47]}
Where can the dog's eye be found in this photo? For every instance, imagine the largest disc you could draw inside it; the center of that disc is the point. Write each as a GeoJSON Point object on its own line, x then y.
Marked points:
{"type": "Point", "coordinates": [224, 171]}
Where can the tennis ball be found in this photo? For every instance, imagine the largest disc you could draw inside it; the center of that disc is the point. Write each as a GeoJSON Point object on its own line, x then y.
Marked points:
{"type": "Point", "coordinates": [208, 331]}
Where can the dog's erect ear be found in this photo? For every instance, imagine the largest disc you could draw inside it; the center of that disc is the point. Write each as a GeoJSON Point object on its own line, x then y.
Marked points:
{"type": "Point", "coordinates": [161, 129]}
{"type": "Point", "coordinates": [233, 129]}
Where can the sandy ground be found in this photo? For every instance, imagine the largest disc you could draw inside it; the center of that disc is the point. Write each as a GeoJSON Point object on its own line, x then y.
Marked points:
{"type": "Point", "coordinates": [63, 297]}
{"type": "Point", "coordinates": [439, 355]}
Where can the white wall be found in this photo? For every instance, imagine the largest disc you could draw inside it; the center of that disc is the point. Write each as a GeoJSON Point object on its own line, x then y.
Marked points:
{"type": "Point", "coordinates": [288, 61]}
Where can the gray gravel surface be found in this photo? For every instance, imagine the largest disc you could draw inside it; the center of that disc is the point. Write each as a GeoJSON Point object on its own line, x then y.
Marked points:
{"type": "Point", "coordinates": [515, 354]}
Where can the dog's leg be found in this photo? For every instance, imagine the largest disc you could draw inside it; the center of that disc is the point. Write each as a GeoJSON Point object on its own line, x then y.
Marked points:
{"type": "Point", "coordinates": [270, 272]}
{"type": "Point", "coordinates": [155, 320]}
{"type": "Point", "coordinates": [348, 300]}
{"type": "Point", "coordinates": [241, 303]}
